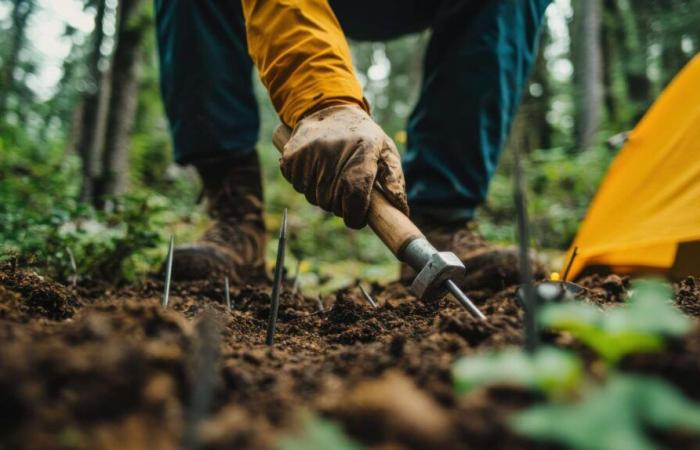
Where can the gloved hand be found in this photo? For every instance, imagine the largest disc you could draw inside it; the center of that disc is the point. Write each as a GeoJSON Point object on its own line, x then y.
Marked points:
{"type": "Point", "coordinates": [334, 157]}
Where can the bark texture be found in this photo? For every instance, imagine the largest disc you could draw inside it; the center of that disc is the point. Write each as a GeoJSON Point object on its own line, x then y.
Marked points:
{"type": "Point", "coordinates": [588, 71]}
{"type": "Point", "coordinates": [92, 112]}
{"type": "Point", "coordinates": [123, 98]}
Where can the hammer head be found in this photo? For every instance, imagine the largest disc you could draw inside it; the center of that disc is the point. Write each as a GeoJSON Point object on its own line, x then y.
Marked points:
{"type": "Point", "coordinates": [439, 267]}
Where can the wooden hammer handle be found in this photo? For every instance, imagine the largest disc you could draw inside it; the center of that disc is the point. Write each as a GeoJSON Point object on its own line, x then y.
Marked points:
{"type": "Point", "coordinates": [390, 224]}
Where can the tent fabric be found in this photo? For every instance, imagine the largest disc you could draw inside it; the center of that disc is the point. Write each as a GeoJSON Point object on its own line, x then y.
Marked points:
{"type": "Point", "coordinates": [648, 204]}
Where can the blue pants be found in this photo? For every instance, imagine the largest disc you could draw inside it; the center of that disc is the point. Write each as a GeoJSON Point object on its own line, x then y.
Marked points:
{"type": "Point", "coordinates": [476, 65]}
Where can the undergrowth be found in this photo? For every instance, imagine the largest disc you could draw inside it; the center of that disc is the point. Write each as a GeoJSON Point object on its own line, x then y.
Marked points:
{"type": "Point", "coordinates": [42, 219]}
{"type": "Point", "coordinates": [43, 224]}
{"type": "Point", "coordinates": [560, 185]}
{"type": "Point", "coordinates": [610, 410]}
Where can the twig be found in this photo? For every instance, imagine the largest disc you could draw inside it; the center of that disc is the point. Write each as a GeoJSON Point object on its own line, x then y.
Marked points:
{"type": "Point", "coordinates": [277, 284]}
{"type": "Point", "coordinates": [571, 262]}
{"type": "Point", "coordinates": [73, 266]}
{"type": "Point", "coordinates": [168, 272]}
{"type": "Point", "coordinates": [530, 297]}
{"type": "Point", "coordinates": [368, 297]}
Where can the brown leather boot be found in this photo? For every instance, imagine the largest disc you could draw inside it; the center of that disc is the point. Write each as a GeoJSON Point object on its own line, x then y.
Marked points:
{"type": "Point", "coordinates": [489, 266]}
{"type": "Point", "coordinates": [234, 244]}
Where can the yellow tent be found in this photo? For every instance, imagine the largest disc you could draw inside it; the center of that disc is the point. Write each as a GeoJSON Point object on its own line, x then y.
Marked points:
{"type": "Point", "coordinates": [645, 217]}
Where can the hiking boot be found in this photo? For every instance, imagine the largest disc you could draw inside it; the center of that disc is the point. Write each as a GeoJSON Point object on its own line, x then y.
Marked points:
{"type": "Point", "coordinates": [234, 244]}
{"type": "Point", "coordinates": [489, 266]}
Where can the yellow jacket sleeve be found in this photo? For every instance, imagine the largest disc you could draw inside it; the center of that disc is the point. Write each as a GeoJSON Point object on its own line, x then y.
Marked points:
{"type": "Point", "coordinates": [302, 56]}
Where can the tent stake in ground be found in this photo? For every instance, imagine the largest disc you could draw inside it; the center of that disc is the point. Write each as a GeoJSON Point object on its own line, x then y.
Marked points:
{"type": "Point", "coordinates": [435, 270]}
{"type": "Point", "coordinates": [73, 266]}
{"type": "Point", "coordinates": [529, 295]}
{"type": "Point", "coordinates": [568, 266]}
{"type": "Point", "coordinates": [277, 285]}
{"type": "Point", "coordinates": [368, 297]}
{"type": "Point", "coordinates": [227, 293]}
{"type": "Point", "coordinates": [168, 273]}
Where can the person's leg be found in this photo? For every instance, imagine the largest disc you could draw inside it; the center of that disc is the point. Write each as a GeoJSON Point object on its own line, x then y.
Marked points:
{"type": "Point", "coordinates": [381, 20]}
{"type": "Point", "coordinates": [477, 63]}
{"type": "Point", "coordinates": [206, 79]}
{"type": "Point", "coordinates": [206, 82]}
{"type": "Point", "coordinates": [475, 67]}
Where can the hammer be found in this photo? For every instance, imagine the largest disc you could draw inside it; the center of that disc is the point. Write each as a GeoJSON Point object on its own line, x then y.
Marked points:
{"type": "Point", "coordinates": [436, 270]}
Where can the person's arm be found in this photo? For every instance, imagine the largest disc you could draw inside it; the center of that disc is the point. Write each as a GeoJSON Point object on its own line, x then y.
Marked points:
{"type": "Point", "coordinates": [302, 56]}
{"type": "Point", "coordinates": [336, 152]}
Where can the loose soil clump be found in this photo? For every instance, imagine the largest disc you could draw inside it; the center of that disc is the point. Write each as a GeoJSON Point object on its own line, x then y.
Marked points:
{"type": "Point", "coordinates": [104, 369]}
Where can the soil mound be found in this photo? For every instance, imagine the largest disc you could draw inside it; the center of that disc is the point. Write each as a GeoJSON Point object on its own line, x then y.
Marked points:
{"type": "Point", "coordinates": [112, 369]}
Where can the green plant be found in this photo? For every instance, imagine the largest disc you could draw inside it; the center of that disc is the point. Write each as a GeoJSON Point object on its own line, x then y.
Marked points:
{"type": "Point", "coordinates": [43, 223]}
{"type": "Point", "coordinates": [549, 370]}
{"type": "Point", "coordinates": [113, 245]}
{"type": "Point", "coordinates": [614, 416]}
{"type": "Point", "coordinates": [559, 193]}
{"type": "Point", "coordinates": [318, 434]}
{"type": "Point", "coordinates": [642, 324]}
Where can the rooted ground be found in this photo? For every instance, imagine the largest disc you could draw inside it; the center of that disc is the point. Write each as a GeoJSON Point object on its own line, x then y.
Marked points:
{"type": "Point", "coordinates": [90, 368]}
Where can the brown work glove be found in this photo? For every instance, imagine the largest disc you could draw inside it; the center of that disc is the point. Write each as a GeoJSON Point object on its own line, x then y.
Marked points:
{"type": "Point", "coordinates": [334, 157]}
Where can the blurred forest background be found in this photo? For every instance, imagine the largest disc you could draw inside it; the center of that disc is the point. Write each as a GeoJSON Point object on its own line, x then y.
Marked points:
{"type": "Point", "coordinates": [87, 183]}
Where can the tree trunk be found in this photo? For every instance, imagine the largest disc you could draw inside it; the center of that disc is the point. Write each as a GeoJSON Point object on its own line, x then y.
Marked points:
{"type": "Point", "coordinates": [588, 71]}
{"type": "Point", "coordinates": [132, 27]}
{"type": "Point", "coordinates": [75, 128]}
{"type": "Point", "coordinates": [21, 12]}
{"type": "Point", "coordinates": [672, 60]}
{"type": "Point", "coordinates": [88, 141]}
{"type": "Point", "coordinates": [616, 97]}
{"type": "Point", "coordinates": [636, 39]}
{"type": "Point", "coordinates": [538, 97]}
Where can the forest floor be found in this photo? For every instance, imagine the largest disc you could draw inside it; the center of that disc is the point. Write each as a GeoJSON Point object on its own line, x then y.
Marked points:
{"type": "Point", "coordinates": [92, 368]}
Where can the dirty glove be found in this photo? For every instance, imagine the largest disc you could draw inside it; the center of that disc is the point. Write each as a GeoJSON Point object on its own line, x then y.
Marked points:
{"type": "Point", "coordinates": [334, 157]}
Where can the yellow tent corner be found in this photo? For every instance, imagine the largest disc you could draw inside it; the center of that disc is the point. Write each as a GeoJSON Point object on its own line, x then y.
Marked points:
{"type": "Point", "coordinates": [645, 217]}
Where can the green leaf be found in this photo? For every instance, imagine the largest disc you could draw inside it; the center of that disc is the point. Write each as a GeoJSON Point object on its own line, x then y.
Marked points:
{"type": "Point", "coordinates": [318, 434]}
{"type": "Point", "coordinates": [640, 325]}
{"type": "Point", "coordinates": [653, 309]}
{"type": "Point", "coordinates": [550, 370]}
{"type": "Point", "coordinates": [615, 416]}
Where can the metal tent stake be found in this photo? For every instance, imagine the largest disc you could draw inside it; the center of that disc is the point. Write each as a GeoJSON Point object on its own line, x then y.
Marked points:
{"type": "Point", "coordinates": [74, 268]}
{"type": "Point", "coordinates": [227, 293]}
{"type": "Point", "coordinates": [574, 254]}
{"type": "Point", "coordinates": [168, 273]}
{"type": "Point", "coordinates": [368, 297]}
{"type": "Point", "coordinates": [277, 284]}
{"type": "Point", "coordinates": [530, 297]}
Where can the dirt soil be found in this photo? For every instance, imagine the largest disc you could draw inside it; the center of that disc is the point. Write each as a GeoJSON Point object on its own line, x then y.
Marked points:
{"type": "Point", "coordinates": [92, 368]}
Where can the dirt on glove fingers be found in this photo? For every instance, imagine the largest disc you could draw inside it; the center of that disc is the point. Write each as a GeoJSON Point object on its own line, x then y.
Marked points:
{"type": "Point", "coordinates": [100, 369]}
